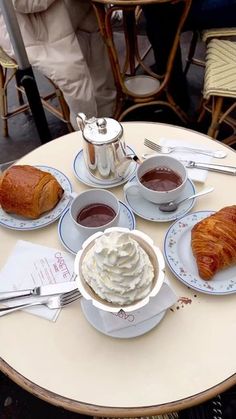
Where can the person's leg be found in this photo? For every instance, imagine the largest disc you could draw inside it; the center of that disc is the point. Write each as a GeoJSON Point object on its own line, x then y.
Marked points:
{"type": "Point", "coordinates": [206, 14]}
{"type": "Point", "coordinates": [67, 67]}
{"type": "Point", "coordinates": [161, 24]}
{"type": "Point", "coordinates": [95, 52]}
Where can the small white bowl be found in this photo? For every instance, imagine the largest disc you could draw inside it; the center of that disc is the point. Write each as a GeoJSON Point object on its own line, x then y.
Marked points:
{"type": "Point", "coordinates": [155, 256]}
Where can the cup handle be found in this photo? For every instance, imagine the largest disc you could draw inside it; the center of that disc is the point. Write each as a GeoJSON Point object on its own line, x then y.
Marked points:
{"type": "Point", "coordinates": [131, 185]}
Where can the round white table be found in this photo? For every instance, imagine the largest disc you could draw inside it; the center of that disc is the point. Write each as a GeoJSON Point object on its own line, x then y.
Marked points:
{"type": "Point", "coordinates": [188, 358]}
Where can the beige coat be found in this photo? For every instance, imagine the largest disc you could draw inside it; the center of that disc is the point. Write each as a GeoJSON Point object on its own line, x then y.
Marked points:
{"type": "Point", "coordinates": [63, 41]}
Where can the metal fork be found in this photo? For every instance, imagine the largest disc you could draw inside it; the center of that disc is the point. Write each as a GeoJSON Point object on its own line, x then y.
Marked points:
{"type": "Point", "coordinates": [52, 302]}
{"type": "Point", "coordinates": [166, 150]}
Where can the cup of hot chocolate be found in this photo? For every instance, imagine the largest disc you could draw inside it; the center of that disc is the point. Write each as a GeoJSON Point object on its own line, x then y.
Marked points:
{"type": "Point", "coordinates": [159, 179]}
{"type": "Point", "coordinates": [94, 210]}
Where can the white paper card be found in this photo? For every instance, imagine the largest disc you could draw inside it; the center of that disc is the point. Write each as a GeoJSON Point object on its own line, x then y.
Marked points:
{"type": "Point", "coordinates": [165, 298]}
{"type": "Point", "coordinates": [197, 175]}
{"type": "Point", "coordinates": [30, 265]}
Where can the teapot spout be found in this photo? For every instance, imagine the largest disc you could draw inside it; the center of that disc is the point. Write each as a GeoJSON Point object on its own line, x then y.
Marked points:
{"type": "Point", "coordinates": [125, 164]}
{"type": "Point", "coordinates": [134, 157]}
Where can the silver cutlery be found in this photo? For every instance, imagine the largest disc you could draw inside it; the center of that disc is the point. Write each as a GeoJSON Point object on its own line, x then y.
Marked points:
{"type": "Point", "coordinates": [219, 168]}
{"type": "Point", "coordinates": [43, 290]}
{"type": "Point", "coordinates": [53, 302]}
{"type": "Point", "coordinates": [173, 205]}
{"type": "Point", "coordinates": [166, 150]}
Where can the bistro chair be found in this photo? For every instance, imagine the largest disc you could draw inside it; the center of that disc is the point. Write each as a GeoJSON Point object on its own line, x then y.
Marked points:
{"type": "Point", "coordinates": [219, 92]}
{"type": "Point", "coordinates": [136, 90]}
{"type": "Point", "coordinates": [8, 70]}
{"type": "Point", "coordinates": [205, 36]}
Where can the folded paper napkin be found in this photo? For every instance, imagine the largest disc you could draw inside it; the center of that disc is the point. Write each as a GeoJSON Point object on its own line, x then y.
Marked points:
{"type": "Point", "coordinates": [165, 298]}
{"type": "Point", "coordinates": [196, 175]}
{"type": "Point", "coordinates": [31, 265]}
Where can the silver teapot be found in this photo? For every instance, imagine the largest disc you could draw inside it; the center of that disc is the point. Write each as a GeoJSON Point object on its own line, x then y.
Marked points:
{"type": "Point", "coordinates": [104, 148]}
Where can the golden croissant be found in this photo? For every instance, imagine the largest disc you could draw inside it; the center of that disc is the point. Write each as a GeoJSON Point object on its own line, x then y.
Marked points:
{"type": "Point", "coordinates": [213, 241]}
{"type": "Point", "coordinates": [28, 191]}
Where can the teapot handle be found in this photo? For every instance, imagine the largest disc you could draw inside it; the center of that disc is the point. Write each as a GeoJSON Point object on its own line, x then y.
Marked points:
{"type": "Point", "coordinates": [81, 120]}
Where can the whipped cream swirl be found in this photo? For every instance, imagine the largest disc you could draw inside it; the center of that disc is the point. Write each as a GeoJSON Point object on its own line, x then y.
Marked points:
{"type": "Point", "coordinates": [118, 269]}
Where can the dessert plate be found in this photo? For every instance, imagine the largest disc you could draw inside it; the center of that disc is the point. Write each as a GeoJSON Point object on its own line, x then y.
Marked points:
{"type": "Point", "coordinates": [82, 174]}
{"type": "Point", "coordinates": [92, 315]}
{"type": "Point", "coordinates": [179, 257]}
{"type": "Point", "coordinates": [150, 211]}
{"type": "Point", "coordinates": [16, 222]}
{"type": "Point", "coordinates": [72, 239]}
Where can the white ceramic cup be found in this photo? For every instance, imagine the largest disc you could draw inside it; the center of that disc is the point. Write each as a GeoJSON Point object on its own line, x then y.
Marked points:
{"type": "Point", "coordinates": [94, 196]}
{"type": "Point", "coordinates": [159, 197]}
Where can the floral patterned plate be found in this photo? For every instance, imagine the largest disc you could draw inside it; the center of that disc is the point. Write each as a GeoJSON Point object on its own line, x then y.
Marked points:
{"type": "Point", "coordinates": [179, 257]}
{"type": "Point", "coordinates": [15, 222]}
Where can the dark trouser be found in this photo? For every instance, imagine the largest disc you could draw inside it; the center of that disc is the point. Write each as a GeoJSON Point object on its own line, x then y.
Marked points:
{"type": "Point", "coordinates": [161, 24]}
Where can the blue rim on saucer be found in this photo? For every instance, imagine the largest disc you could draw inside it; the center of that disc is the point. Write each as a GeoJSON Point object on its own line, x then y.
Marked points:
{"type": "Point", "coordinates": [72, 240]}
{"type": "Point", "coordinates": [81, 173]}
{"type": "Point", "coordinates": [150, 211]}
{"type": "Point", "coordinates": [15, 222]}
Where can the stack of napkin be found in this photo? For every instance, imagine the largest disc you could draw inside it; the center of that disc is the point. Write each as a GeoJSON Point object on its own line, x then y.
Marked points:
{"type": "Point", "coordinates": [165, 298]}
{"type": "Point", "coordinates": [31, 265]}
{"type": "Point", "coordinates": [196, 175]}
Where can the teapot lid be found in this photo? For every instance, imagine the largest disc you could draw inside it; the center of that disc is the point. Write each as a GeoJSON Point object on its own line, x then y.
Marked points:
{"type": "Point", "coordinates": [102, 130]}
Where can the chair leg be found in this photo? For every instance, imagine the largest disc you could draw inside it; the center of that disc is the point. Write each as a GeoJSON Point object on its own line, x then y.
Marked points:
{"type": "Point", "coordinates": [19, 93]}
{"type": "Point", "coordinates": [64, 109]}
{"type": "Point", "coordinates": [230, 140]}
{"type": "Point", "coordinates": [3, 102]}
{"type": "Point", "coordinates": [216, 110]}
{"type": "Point", "coordinates": [192, 48]}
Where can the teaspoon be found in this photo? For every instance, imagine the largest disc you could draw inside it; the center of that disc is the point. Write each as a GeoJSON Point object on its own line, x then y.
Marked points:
{"type": "Point", "coordinates": [172, 205]}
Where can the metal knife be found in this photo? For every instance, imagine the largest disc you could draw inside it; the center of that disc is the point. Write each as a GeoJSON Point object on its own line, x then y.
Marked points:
{"type": "Point", "coordinates": [220, 168]}
{"type": "Point", "coordinates": [49, 289]}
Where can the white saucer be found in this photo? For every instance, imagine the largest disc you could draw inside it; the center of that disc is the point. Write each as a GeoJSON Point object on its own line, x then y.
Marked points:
{"type": "Point", "coordinates": [72, 240]}
{"type": "Point", "coordinates": [149, 211]}
{"type": "Point", "coordinates": [92, 315]}
{"type": "Point", "coordinates": [82, 174]}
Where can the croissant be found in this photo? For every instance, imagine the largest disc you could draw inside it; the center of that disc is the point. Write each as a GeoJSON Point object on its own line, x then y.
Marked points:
{"type": "Point", "coordinates": [213, 242]}
{"type": "Point", "coordinates": [28, 191]}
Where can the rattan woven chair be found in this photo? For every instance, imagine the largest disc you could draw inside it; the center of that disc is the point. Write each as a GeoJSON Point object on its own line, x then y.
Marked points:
{"type": "Point", "coordinates": [205, 36]}
{"type": "Point", "coordinates": [219, 91]}
{"type": "Point", "coordinates": [136, 90]}
{"type": "Point", "coordinates": [8, 70]}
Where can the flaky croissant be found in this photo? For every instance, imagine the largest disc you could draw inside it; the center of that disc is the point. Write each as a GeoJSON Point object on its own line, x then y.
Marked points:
{"type": "Point", "coordinates": [213, 241]}
{"type": "Point", "coordinates": [28, 191]}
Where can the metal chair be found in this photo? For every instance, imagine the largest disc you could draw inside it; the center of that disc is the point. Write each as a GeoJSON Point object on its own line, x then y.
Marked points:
{"type": "Point", "coordinates": [133, 90]}
{"type": "Point", "coordinates": [8, 71]}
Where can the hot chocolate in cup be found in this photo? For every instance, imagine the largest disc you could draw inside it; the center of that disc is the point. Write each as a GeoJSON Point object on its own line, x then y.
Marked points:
{"type": "Point", "coordinates": [94, 210]}
{"type": "Point", "coordinates": [160, 179]}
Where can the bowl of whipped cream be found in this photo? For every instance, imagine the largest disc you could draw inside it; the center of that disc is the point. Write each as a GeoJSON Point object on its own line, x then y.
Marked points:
{"type": "Point", "coordinates": [119, 269]}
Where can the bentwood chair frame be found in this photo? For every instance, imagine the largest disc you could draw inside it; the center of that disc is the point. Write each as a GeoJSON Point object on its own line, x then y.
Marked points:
{"type": "Point", "coordinates": [8, 71]}
{"type": "Point", "coordinates": [127, 98]}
